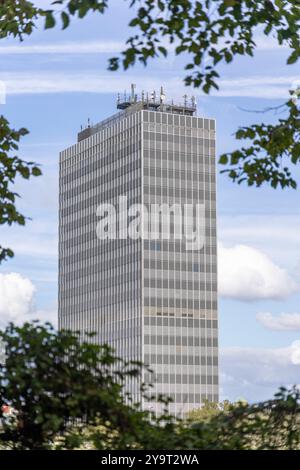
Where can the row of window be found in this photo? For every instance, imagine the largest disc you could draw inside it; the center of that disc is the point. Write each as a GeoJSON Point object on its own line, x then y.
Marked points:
{"type": "Point", "coordinates": [120, 163]}
{"type": "Point", "coordinates": [165, 340]}
{"type": "Point", "coordinates": [178, 120]}
{"type": "Point", "coordinates": [181, 191]}
{"type": "Point", "coordinates": [175, 246]}
{"type": "Point", "coordinates": [158, 157]}
{"type": "Point", "coordinates": [178, 130]}
{"type": "Point", "coordinates": [103, 193]}
{"type": "Point", "coordinates": [172, 146]}
{"type": "Point", "coordinates": [180, 303]}
{"type": "Point", "coordinates": [109, 152]}
{"type": "Point", "coordinates": [198, 187]}
{"type": "Point", "coordinates": [82, 241]}
{"type": "Point", "coordinates": [180, 284]}
{"type": "Point", "coordinates": [179, 137]}
{"type": "Point", "coordinates": [91, 165]}
{"type": "Point", "coordinates": [172, 265]}
{"type": "Point", "coordinates": [183, 255]}
{"type": "Point", "coordinates": [182, 139]}
{"type": "Point", "coordinates": [191, 379]}
{"type": "Point", "coordinates": [82, 286]}
{"type": "Point", "coordinates": [179, 359]}
{"type": "Point", "coordinates": [78, 304]}
{"type": "Point", "coordinates": [80, 247]}
{"type": "Point", "coordinates": [104, 263]}
{"type": "Point", "coordinates": [99, 298]}
{"type": "Point", "coordinates": [180, 322]}
{"type": "Point", "coordinates": [178, 175]}
{"type": "Point", "coordinates": [99, 166]}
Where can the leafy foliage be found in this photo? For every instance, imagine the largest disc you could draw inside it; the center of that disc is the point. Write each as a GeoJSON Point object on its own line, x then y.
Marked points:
{"type": "Point", "coordinates": [74, 8]}
{"type": "Point", "coordinates": [17, 18]}
{"type": "Point", "coordinates": [11, 167]}
{"type": "Point", "coordinates": [216, 31]}
{"type": "Point", "coordinates": [208, 411]}
{"type": "Point", "coordinates": [51, 380]}
{"type": "Point", "coordinates": [67, 393]}
{"type": "Point", "coordinates": [270, 425]}
{"type": "Point", "coordinates": [208, 32]}
{"type": "Point", "coordinates": [269, 157]}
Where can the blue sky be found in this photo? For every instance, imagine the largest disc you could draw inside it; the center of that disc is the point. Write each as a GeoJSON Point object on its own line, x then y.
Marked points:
{"type": "Point", "coordinates": [57, 80]}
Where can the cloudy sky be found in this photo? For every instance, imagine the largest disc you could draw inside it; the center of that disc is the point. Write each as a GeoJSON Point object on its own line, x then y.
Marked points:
{"type": "Point", "coordinates": [55, 81]}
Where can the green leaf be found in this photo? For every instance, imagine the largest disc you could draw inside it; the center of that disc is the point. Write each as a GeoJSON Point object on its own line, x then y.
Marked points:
{"type": "Point", "coordinates": [293, 57]}
{"type": "Point", "coordinates": [230, 3]}
{"type": "Point", "coordinates": [36, 171]}
{"type": "Point", "coordinates": [163, 50]}
{"type": "Point", "coordinates": [223, 160]}
{"type": "Point", "coordinates": [65, 19]}
{"type": "Point", "coordinates": [49, 20]}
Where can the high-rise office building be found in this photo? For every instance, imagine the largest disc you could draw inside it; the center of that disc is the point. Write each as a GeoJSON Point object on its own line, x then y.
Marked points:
{"type": "Point", "coordinates": [151, 298]}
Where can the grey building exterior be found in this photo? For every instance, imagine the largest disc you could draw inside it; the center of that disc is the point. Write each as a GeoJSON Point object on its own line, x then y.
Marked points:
{"type": "Point", "coordinates": [152, 300]}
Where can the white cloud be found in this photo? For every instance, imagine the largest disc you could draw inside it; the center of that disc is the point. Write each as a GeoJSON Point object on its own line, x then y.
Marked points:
{"type": "Point", "coordinates": [247, 274]}
{"type": "Point", "coordinates": [2, 93]}
{"type": "Point", "coordinates": [30, 82]}
{"type": "Point", "coordinates": [74, 47]}
{"type": "Point", "coordinates": [277, 235]}
{"type": "Point", "coordinates": [283, 322]}
{"type": "Point", "coordinates": [257, 373]}
{"type": "Point", "coordinates": [17, 300]}
{"type": "Point", "coordinates": [268, 43]}
{"type": "Point", "coordinates": [16, 295]}
{"type": "Point", "coordinates": [33, 82]}
{"type": "Point", "coordinates": [266, 228]}
{"type": "Point", "coordinates": [263, 43]}
{"type": "Point", "coordinates": [295, 353]}
{"type": "Point", "coordinates": [259, 86]}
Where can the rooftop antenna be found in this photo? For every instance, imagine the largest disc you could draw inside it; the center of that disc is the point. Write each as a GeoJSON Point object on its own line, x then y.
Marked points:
{"type": "Point", "coordinates": [118, 99]}
{"type": "Point", "coordinates": [162, 95]}
{"type": "Point", "coordinates": [194, 104]}
{"type": "Point", "coordinates": [185, 100]}
{"type": "Point", "coordinates": [125, 96]}
{"type": "Point", "coordinates": [147, 97]}
{"type": "Point", "coordinates": [143, 96]}
{"type": "Point", "coordinates": [89, 122]}
{"type": "Point", "coordinates": [133, 92]}
{"type": "Point", "coordinates": [153, 96]}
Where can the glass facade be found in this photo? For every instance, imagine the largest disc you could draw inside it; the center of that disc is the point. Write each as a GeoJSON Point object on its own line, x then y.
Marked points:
{"type": "Point", "coordinates": [152, 300]}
